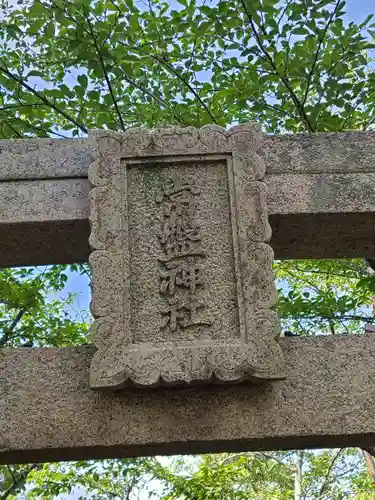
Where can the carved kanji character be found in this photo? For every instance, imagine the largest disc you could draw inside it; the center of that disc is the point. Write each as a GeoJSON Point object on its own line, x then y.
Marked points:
{"type": "Point", "coordinates": [191, 276]}
{"type": "Point", "coordinates": [183, 315]}
{"type": "Point", "coordinates": [174, 316]}
{"type": "Point", "coordinates": [176, 249]}
{"type": "Point", "coordinates": [178, 226]}
{"type": "Point", "coordinates": [168, 279]}
{"type": "Point", "coordinates": [186, 275]}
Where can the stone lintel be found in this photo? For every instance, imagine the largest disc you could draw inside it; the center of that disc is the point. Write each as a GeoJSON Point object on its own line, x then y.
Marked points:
{"type": "Point", "coordinates": [29, 159]}
{"type": "Point", "coordinates": [321, 197]}
{"type": "Point", "coordinates": [46, 221]}
{"type": "Point", "coordinates": [23, 159]}
{"type": "Point", "coordinates": [48, 412]}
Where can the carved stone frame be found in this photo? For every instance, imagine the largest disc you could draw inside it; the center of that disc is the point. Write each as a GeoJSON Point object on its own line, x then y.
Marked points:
{"type": "Point", "coordinates": [119, 362]}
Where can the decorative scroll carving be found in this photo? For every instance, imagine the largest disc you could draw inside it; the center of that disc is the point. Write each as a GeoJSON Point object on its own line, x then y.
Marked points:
{"type": "Point", "coordinates": [182, 273]}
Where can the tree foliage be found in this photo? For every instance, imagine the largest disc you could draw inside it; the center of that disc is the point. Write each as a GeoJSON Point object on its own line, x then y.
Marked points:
{"type": "Point", "coordinates": [328, 475]}
{"type": "Point", "coordinates": [295, 65]}
{"type": "Point", "coordinates": [67, 66]}
{"type": "Point", "coordinates": [31, 316]}
{"type": "Point", "coordinates": [320, 297]}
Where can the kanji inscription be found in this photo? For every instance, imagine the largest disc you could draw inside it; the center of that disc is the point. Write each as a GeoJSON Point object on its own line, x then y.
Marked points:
{"type": "Point", "coordinates": [182, 285]}
{"type": "Point", "coordinates": [180, 270]}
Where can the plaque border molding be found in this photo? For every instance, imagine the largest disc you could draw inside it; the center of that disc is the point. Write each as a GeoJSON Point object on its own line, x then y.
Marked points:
{"type": "Point", "coordinates": [119, 362]}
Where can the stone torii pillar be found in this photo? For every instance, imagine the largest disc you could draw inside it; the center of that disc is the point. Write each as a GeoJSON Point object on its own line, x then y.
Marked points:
{"type": "Point", "coordinates": [310, 392]}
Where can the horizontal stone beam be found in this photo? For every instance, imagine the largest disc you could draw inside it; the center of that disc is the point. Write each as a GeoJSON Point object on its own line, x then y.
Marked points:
{"type": "Point", "coordinates": [312, 216]}
{"type": "Point", "coordinates": [22, 159]}
{"type": "Point", "coordinates": [44, 222]}
{"type": "Point", "coordinates": [321, 197]}
{"type": "Point", "coordinates": [48, 412]}
{"type": "Point", "coordinates": [29, 159]}
{"type": "Point", "coordinates": [322, 215]}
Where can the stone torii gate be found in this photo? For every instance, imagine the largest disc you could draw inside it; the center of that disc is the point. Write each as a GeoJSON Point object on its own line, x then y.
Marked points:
{"type": "Point", "coordinates": [321, 204]}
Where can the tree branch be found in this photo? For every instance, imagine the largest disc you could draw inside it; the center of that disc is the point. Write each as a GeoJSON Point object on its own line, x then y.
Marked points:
{"type": "Point", "coordinates": [8, 331]}
{"type": "Point", "coordinates": [283, 12]}
{"type": "Point", "coordinates": [185, 82]}
{"type": "Point", "coordinates": [105, 72]}
{"type": "Point", "coordinates": [136, 85]}
{"type": "Point", "coordinates": [315, 60]}
{"type": "Point", "coordinates": [17, 482]}
{"type": "Point", "coordinates": [369, 123]}
{"type": "Point", "coordinates": [43, 98]}
{"type": "Point", "coordinates": [84, 270]}
{"type": "Point", "coordinates": [331, 327]}
{"type": "Point", "coordinates": [38, 129]}
{"type": "Point", "coordinates": [130, 488]}
{"type": "Point", "coordinates": [369, 459]}
{"type": "Point", "coordinates": [20, 105]}
{"type": "Point", "coordinates": [271, 457]}
{"type": "Point", "coordinates": [283, 78]}
{"type": "Point", "coordinates": [298, 459]}
{"type": "Point", "coordinates": [15, 131]}
{"type": "Point", "coordinates": [326, 479]}
{"type": "Point", "coordinates": [146, 91]}
{"type": "Point", "coordinates": [233, 457]}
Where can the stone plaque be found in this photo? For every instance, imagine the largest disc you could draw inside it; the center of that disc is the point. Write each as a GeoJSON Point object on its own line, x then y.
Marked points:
{"type": "Point", "coordinates": [182, 280]}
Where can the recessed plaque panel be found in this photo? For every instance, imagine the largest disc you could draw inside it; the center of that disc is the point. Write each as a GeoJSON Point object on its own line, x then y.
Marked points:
{"type": "Point", "coordinates": [182, 272]}
{"type": "Point", "coordinates": [183, 285]}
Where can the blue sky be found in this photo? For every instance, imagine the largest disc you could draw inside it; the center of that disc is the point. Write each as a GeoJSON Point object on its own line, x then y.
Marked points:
{"type": "Point", "coordinates": [357, 10]}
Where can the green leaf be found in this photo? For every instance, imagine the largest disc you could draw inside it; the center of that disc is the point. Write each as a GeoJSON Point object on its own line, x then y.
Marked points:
{"type": "Point", "coordinates": [35, 73]}
{"type": "Point", "coordinates": [50, 29]}
{"type": "Point", "coordinates": [83, 80]}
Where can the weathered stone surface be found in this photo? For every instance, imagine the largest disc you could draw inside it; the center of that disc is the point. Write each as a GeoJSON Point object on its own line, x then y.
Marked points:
{"type": "Point", "coordinates": [44, 222]}
{"type": "Point", "coordinates": [35, 235]}
{"type": "Point", "coordinates": [321, 193]}
{"type": "Point", "coordinates": [320, 153]}
{"type": "Point", "coordinates": [323, 235]}
{"type": "Point", "coordinates": [48, 411]}
{"type": "Point", "coordinates": [311, 215]}
{"type": "Point", "coordinates": [182, 272]}
{"type": "Point", "coordinates": [44, 242]}
{"type": "Point", "coordinates": [40, 200]}
{"type": "Point", "coordinates": [44, 158]}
